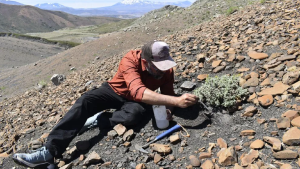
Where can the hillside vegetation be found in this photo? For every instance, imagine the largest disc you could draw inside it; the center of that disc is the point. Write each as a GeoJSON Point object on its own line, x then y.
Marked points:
{"type": "Point", "coordinates": [25, 19]}
{"type": "Point", "coordinates": [84, 34]}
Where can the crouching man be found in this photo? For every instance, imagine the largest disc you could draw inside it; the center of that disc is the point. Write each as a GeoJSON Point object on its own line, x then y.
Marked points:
{"type": "Point", "coordinates": [140, 73]}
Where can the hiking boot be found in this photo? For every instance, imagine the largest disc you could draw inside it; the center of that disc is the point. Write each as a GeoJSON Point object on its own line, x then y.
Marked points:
{"type": "Point", "coordinates": [33, 151]}
{"type": "Point", "coordinates": [90, 123]}
{"type": "Point", "coordinates": [41, 157]}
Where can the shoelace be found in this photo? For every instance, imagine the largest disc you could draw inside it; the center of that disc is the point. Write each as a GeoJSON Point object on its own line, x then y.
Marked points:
{"type": "Point", "coordinates": [36, 155]}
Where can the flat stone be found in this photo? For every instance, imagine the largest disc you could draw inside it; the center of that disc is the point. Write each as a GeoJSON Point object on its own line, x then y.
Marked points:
{"type": "Point", "coordinates": [271, 64]}
{"type": "Point", "coordinates": [255, 55]}
{"type": "Point", "coordinates": [279, 88]}
{"type": "Point", "coordinates": [219, 69]}
{"type": "Point", "coordinates": [208, 164]}
{"type": "Point", "coordinates": [242, 81]}
{"type": "Point", "coordinates": [250, 111]}
{"type": "Point", "coordinates": [266, 100]}
{"type": "Point", "coordinates": [92, 158]}
{"type": "Point", "coordinates": [252, 97]}
{"type": "Point", "coordinates": [290, 78]}
{"type": "Point", "coordinates": [288, 57]}
{"type": "Point", "coordinates": [141, 166]}
{"type": "Point", "coordinates": [222, 143]}
{"type": "Point", "coordinates": [231, 57]}
{"type": "Point", "coordinates": [240, 58]}
{"type": "Point", "coordinates": [202, 77]}
{"type": "Point", "coordinates": [283, 123]}
{"type": "Point", "coordinates": [243, 69]}
{"type": "Point", "coordinates": [204, 155]}
{"type": "Point", "coordinates": [279, 68]}
{"type": "Point", "coordinates": [261, 121]}
{"type": "Point", "coordinates": [296, 122]}
{"type": "Point", "coordinates": [161, 148]}
{"type": "Point", "coordinates": [252, 82]}
{"type": "Point", "coordinates": [285, 154]}
{"type": "Point", "coordinates": [291, 114]}
{"type": "Point", "coordinates": [249, 158]}
{"type": "Point", "coordinates": [128, 135]}
{"type": "Point", "coordinates": [227, 157]}
{"type": "Point", "coordinates": [257, 144]}
{"type": "Point", "coordinates": [247, 133]}
{"type": "Point", "coordinates": [120, 129]}
{"type": "Point", "coordinates": [174, 138]}
{"type": "Point", "coordinates": [286, 166]}
{"type": "Point", "coordinates": [195, 162]}
{"type": "Point", "coordinates": [292, 137]}
{"type": "Point", "coordinates": [296, 86]}
{"type": "Point", "coordinates": [112, 134]}
{"type": "Point", "coordinates": [237, 166]}
{"type": "Point", "coordinates": [254, 74]}
{"type": "Point", "coordinates": [216, 63]}
{"type": "Point", "coordinates": [188, 85]}
{"type": "Point", "coordinates": [275, 142]}
{"type": "Point", "coordinates": [4, 155]}
{"type": "Point", "coordinates": [157, 158]}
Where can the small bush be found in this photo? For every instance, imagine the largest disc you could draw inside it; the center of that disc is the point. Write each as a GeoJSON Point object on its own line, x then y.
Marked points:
{"type": "Point", "coordinates": [231, 10]}
{"type": "Point", "coordinates": [42, 83]}
{"type": "Point", "coordinates": [262, 1]}
{"type": "Point", "coordinates": [221, 91]}
{"type": "Point", "coordinates": [2, 88]}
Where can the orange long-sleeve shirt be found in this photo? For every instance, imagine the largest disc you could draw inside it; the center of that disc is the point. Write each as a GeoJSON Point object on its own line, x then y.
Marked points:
{"type": "Point", "coordinates": [132, 78]}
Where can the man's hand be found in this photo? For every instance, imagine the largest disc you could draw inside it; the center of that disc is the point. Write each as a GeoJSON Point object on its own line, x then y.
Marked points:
{"type": "Point", "coordinates": [169, 115]}
{"type": "Point", "coordinates": [186, 100]}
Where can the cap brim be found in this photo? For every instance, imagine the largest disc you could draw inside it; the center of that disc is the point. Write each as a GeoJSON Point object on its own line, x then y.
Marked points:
{"type": "Point", "coordinates": [164, 64]}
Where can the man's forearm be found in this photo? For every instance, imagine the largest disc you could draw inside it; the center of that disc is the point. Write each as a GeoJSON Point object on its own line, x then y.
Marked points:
{"type": "Point", "coordinates": [153, 98]}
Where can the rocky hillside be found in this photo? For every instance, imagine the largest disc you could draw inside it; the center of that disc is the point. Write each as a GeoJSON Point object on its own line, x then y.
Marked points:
{"type": "Point", "coordinates": [154, 25]}
{"type": "Point", "coordinates": [26, 19]}
{"type": "Point", "coordinates": [259, 42]}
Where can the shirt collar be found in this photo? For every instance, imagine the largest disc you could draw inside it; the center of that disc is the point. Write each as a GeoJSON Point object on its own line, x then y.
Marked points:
{"type": "Point", "coordinates": [142, 63]}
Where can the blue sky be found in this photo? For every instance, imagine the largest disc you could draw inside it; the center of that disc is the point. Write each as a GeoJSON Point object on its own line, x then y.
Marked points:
{"type": "Point", "coordinates": [83, 3]}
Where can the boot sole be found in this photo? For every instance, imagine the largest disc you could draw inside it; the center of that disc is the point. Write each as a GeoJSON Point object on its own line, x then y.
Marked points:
{"type": "Point", "coordinates": [24, 163]}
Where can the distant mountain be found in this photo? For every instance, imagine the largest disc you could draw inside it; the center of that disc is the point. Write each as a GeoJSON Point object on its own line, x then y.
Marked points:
{"type": "Point", "coordinates": [135, 8]}
{"type": "Point", "coordinates": [26, 19]}
{"type": "Point", "coordinates": [10, 2]}
{"type": "Point", "coordinates": [50, 6]}
{"type": "Point", "coordinates": [140, 7]}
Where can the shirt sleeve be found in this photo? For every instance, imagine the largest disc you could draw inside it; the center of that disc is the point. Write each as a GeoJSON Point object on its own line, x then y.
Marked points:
{"type": "Point", "coordinates": [129, 68]}
{"type": "Point", "coordinates": [168, 88]}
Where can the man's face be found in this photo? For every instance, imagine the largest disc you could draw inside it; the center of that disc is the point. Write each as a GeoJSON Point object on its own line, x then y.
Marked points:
{"type": "Point", "coordinates": [154, 71]}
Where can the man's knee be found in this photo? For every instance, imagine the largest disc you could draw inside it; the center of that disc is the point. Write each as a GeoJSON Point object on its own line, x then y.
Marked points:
{"type": "Point", "coordinates": [134, 113]}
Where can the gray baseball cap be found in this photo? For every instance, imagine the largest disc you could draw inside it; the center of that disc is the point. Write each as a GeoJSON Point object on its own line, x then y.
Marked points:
{"type": "Point", "coordinates": [161, 56]}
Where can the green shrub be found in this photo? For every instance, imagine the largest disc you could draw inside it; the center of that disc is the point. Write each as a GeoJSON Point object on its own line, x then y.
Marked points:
{"type": "Point", "coordinates": [231, 10]}
{"type": "Point", "coordinates": [262, 1]}
{"type": "Point", "coordinates": [2, 88]}
{"type": "Point", "coordinates": [43, 83]}
{"type": "Point", "coordinates": [221, 91]}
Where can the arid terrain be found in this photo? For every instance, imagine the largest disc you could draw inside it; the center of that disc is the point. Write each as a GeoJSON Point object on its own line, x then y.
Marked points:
{"type": "Point", "coordinates": [259, 42]}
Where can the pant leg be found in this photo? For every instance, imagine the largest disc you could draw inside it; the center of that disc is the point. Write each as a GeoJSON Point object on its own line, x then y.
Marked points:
{"type": "Point", "coordinates": [131, 113]}
{"type": "Point", "coordinates": [86, 106]}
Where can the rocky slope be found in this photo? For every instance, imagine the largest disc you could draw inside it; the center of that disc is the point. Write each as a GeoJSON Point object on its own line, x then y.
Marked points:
{"type": "Point", "coordinates": [154, 25]}
{"type": "Point", "coordinates": [259, 42]}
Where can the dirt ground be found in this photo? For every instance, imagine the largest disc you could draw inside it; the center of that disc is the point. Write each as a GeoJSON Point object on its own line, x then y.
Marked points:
{"type": "Point", "coordinates": [18, 52]}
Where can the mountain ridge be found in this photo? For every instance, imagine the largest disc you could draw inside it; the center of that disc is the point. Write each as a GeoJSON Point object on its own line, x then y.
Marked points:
{"type": "Point", "coordinates": [26, 19]}
{"type": "Point", "coordinates": [135, 8]}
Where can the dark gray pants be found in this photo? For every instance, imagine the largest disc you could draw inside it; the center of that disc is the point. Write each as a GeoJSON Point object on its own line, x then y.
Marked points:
{"type": "Point", "coordinates": [128, 113]}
